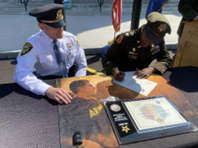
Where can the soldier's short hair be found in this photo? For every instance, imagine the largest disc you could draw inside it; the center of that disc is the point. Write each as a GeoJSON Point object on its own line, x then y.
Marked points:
{"type": "Point", "coordinates": [78, 83]}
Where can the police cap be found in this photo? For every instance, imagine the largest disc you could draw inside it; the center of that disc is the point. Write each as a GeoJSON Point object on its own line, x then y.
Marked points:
{"type": "Point", "coordinates": [50, 14]}
{"type": "Point", "coordinates": [156, 27]}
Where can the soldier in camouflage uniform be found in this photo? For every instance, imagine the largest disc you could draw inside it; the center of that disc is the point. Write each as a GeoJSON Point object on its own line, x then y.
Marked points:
{"type": "Point", "coordinates": [135, 50]}
{"type": "Point", "coordinates": [189, 11]}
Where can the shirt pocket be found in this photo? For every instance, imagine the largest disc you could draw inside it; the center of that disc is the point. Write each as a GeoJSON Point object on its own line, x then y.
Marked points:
{"type": "Point", "coordinates": [47, 60]}
{"type": "Point", "coordinates": [70, 58]}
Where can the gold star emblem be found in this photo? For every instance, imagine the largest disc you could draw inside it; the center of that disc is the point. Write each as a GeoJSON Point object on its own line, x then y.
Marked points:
{"type": "Point", "coordinates": [125, 129]}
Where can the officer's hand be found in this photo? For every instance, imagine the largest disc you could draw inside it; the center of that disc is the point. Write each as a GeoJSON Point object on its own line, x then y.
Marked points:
{"type": "Point", "coordinates": [58, 94]}
{"type": "Point", "coordinates": [118, 75]}
{"type": "Point", "coordinates": [144, 73]}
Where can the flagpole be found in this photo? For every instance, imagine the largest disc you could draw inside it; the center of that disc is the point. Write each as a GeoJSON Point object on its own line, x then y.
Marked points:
{"type": "Point", "coordinates": [135, 17]}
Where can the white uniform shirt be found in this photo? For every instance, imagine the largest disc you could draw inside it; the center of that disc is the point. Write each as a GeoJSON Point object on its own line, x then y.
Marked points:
{"type": "Point", "coordinates": [43, 59]}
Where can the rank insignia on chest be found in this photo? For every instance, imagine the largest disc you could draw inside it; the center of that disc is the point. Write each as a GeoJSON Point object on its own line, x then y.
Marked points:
{"type": "Point", "coordinates": [69, 45]}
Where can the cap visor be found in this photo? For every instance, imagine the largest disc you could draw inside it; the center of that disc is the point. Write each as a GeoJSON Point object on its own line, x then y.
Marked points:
{"type": "Point", "coordinates": [151, 36]}
{"type": "Point", "coordinates": [57, 25]}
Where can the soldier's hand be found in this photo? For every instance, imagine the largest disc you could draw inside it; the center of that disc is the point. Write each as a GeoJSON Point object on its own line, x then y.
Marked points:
{"type": "Point", "coordinates": [118, 75]}
{"type": "Point", "coordinates": [60, 95]}
{"type": "Point", "coordinates": [144, 73]}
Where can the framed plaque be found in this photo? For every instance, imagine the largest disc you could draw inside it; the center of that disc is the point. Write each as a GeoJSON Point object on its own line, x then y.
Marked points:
{"type": "Point", "coordinates": [146, 118]}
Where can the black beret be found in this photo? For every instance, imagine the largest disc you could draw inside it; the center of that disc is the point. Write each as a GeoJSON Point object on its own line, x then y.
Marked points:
{"type": "Point", "coordinates": [156, 27]}
{"type": "Point", "coordinates": [50, 14]}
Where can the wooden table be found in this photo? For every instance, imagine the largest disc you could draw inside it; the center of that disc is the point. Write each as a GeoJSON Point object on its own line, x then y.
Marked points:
{"type": "Point", "coordinates": [28, 120]}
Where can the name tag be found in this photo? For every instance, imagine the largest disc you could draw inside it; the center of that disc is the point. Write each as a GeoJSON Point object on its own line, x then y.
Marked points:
{"type": "Point", "coordinates": [132, 56]}
{"type": "Point", "coordinates": [47, 53]}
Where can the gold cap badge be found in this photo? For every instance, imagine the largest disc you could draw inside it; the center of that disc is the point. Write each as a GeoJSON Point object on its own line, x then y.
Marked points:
{"type": "Point", "coordinates": [162, 27]}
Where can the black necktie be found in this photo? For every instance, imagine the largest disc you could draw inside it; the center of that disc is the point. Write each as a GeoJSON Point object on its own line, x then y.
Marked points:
{"type": "Point", "coordinates": [60, 60]}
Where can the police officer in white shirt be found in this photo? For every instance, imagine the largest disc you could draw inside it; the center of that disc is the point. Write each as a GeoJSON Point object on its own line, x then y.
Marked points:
{"type": "Point", "coordinates": [38, 54]}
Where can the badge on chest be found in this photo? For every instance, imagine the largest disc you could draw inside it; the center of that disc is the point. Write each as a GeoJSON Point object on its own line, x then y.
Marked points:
{"type": "Point", "coordinates": [69, 45]}
{"type": "Point", "coordinates": [132, 54]}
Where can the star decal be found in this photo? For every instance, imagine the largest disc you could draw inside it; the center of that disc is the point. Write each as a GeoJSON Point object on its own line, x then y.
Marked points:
{"type": "Point", "coordinates": [125, 129]}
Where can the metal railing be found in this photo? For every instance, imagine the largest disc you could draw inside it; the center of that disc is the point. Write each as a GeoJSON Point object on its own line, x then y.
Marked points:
{"type": "Point", "coordinates": [100, 3]}
{"type": "Point", "coordinates": [25, 2]}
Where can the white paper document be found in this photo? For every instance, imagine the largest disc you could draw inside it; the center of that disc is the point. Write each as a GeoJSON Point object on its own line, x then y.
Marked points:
{"type": "Point", "coordinates": [154, 113]}
{"type": "Point", "coordinates": [142, 86]}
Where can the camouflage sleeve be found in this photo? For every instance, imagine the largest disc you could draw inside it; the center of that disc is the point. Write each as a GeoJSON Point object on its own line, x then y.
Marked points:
{"type": "Point", "coordinates": [109, 59]}
{"type": "Point", "coordinates": [185, 8]}
{"type": "Point", "coordinates": [163, 60]}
